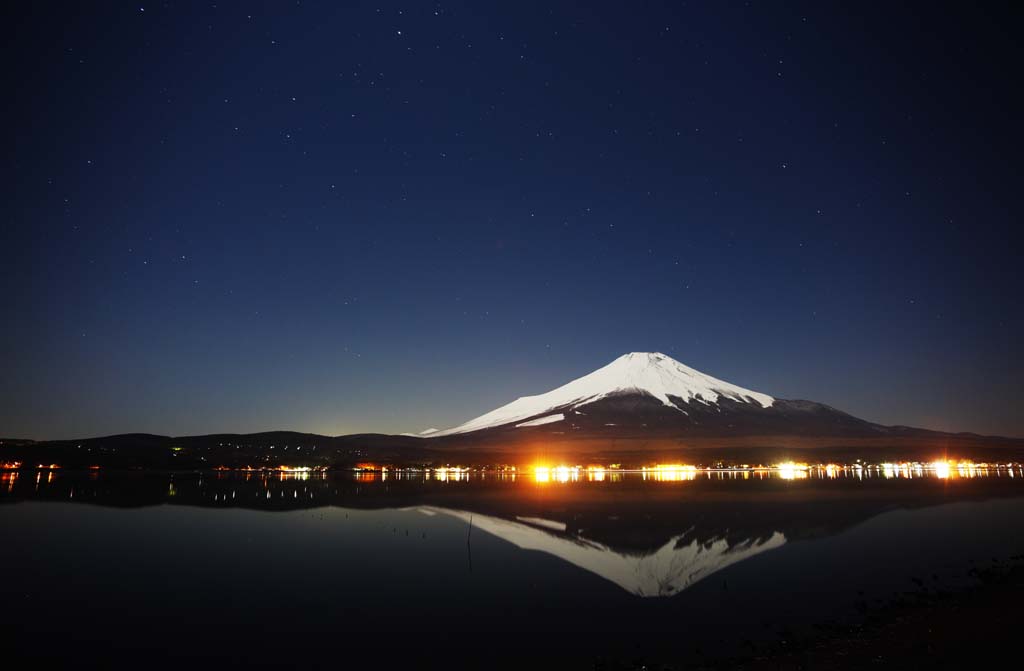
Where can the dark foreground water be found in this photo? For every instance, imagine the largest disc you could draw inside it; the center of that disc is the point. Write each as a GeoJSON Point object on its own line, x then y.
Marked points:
{"type": "Point", "coordinates": [104, 570]}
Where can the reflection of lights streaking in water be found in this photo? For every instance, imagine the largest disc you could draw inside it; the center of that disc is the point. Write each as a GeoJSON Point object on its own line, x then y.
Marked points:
{"type": "Point", "coordinates": [788, 470]}
{"type": "Point", "coordinates": [543, 474]}
{"type": "Point", "coordinates": [565, 473]}
{"type": "Point", "coordinates": [900, 470]}
{"type": "Point", "coordinates": [600, 473]}
{"type": "Point", "coordinates": [451, 473]}
{"type": "Point", "coordinates": [968, 469]}
{"type": "Point", "coordinates": [951, 473]}
{"type": "Point", "coordinates": [670, 472]}
{"type": "Point", "coordinates": [791, 471]}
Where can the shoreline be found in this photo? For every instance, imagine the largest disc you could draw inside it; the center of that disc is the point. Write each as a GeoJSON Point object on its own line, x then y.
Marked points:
{"type": "Point", "coordinates": [929, 627]}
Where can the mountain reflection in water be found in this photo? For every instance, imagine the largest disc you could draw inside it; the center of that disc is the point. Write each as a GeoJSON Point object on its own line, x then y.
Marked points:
{"type": "Point", "coordinates": [669, 569]}
{"type": "Point", "coordinates": [164, 567]}
{"type": "Point", "coordinates": [653, 537]}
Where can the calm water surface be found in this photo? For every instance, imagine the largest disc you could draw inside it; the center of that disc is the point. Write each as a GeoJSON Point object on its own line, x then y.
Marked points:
{"type": "Point", "coordinates": [215, 569]}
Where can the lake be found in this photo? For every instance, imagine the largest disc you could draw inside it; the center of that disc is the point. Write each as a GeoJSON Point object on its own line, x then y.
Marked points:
{"type": "Point", "coordinates": [469, 570]}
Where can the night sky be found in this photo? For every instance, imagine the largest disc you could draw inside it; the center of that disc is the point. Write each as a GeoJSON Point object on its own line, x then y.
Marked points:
{"type": "Point", "coordinates": [380, 217]}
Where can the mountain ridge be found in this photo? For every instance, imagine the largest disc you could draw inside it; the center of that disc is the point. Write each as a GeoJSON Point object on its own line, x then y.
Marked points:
{"type": "Point", "coordinates": [653, 394]}
{"type": "Point", "coordinates": [650, 373]}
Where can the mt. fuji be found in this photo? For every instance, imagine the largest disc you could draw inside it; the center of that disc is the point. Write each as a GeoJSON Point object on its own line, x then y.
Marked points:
{"type": "Point", "coordinates": [652, 394]}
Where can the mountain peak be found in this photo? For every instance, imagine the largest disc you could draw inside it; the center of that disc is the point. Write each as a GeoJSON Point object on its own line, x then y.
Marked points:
{"type": "Point", "coordinates": [662, 376]}
{"type": "Point", "coordinates": [649, 373]}
{"type": "Point", "coordinates": [644, 357]}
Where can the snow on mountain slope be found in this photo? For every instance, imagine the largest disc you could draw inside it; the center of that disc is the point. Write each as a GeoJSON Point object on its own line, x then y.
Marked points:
{"type": "Point", "coordinates": [650, 373]}
{"type": "Point", "coordinates": [540, 421]}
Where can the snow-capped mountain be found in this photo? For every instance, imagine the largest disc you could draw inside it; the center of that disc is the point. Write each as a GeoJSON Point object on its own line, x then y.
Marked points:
{"type": "Point", "coordinates": [652, 393]}
{"type": "Point", "coordinates": [652, 374]}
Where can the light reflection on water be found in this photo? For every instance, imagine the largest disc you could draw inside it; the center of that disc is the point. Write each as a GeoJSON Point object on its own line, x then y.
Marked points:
{"type": "Point", "coordinates": [679, 551]}
{"type": "Point", "coordinates": [685, 473]}
{"type": "Point", "coordinates": [671, 551]}
{"type": "Point", "coordinates": [311, 484]}
{"type": "Point", "coordinates": [565, 474]}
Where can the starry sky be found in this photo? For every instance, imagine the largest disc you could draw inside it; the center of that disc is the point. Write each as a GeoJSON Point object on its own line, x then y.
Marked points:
{"type": "Point", "coordinates": [346, 217]}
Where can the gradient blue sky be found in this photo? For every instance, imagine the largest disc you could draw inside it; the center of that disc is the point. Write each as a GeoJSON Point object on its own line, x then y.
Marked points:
{"type": "Point", "coordinates": [383, 217]}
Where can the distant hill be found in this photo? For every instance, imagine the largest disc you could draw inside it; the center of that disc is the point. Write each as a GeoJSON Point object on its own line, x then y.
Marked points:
{"type": "Point", "coordinates": [15, 442]}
